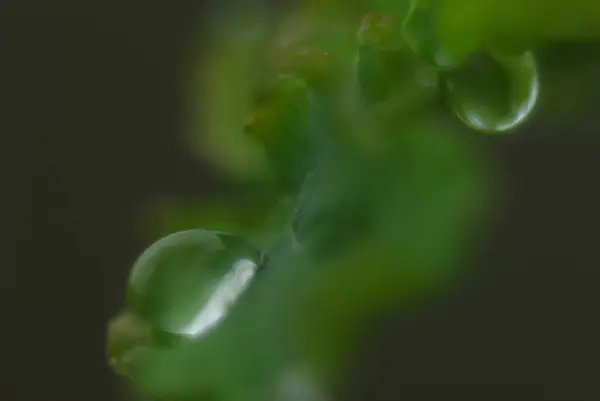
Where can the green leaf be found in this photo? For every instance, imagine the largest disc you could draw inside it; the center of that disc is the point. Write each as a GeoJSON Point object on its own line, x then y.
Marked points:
{"type": "Point", "coordinates": [387, 70]}
{"type": "Point", "coordinates": [446, 32]}
{"type": "Point", "coordinates": [418, 196]}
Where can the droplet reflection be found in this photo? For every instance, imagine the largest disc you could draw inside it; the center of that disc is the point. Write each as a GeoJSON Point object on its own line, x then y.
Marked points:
{"type": "Point", "coordinates": [494, 93]}
{"type": "Point", "coordinates": [186, 283]}
{"type": "Point", "coordinates": [225, 294]}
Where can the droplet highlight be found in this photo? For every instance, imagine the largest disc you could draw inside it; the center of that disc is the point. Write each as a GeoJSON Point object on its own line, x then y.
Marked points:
{"type": "Point", "coordinates": [494, 93]}
{"type": "Point", "coordinates": [186, 283]}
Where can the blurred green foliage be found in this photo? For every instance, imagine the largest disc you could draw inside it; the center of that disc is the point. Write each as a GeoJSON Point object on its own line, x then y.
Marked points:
{"type": "Point", "coordinates": [357, 182]}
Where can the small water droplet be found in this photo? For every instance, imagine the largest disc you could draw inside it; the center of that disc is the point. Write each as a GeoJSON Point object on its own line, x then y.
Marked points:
{"type": "Point", "coordinates": [494, 93]}
{"type": "Point", "coordinates": [185, 283]}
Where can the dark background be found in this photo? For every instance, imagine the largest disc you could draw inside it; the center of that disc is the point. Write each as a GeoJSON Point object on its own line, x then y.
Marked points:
{"type": "Point", "coordinates": [92, 115]}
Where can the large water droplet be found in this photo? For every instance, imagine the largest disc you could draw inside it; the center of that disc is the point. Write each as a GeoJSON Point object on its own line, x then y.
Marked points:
{"type": "Point", "coordinates": [494, 93]}
{"type": "Point", "coordinates": [185, 283]}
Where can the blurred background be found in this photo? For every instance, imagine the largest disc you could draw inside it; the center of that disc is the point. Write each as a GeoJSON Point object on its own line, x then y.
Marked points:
{"type": "Point", "coordinates": [93, 120]}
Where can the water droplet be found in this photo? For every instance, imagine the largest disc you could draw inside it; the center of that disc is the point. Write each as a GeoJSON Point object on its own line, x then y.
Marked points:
{"type": "Point", "coordinates": [185, 283]}
{"type": "Point", "coordinates": [494, 93]}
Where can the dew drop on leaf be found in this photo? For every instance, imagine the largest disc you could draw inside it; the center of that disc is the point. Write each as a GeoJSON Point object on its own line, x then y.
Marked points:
{"type": "Point", "coordinates": [494, 93]}
{"type": "Point", "coordinates": [185, 283]}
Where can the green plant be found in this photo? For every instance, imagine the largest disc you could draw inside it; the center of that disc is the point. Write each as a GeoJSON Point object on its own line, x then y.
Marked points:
{"type": "Point", "coordinates": [360, 191]}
